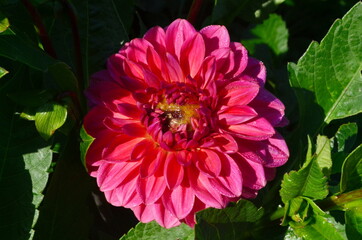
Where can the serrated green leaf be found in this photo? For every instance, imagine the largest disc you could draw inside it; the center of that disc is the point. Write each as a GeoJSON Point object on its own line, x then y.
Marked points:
{"type": "Point", "coordinates": [24, 162]}
{"type": "Point", "coordinates": [310, 180]}
{"type": "Point", "coordinates": [353, 218]}
{"type": "Point", "coordinates": [15, 48]}
{"type": "Point", "coordinates": [49, 118]}
{"type": "Point", "coordinates": [352, 171]}
{"type": "Point", "coordinates": [153, 231]}
{"type": "Point", "coordinates": [320, 229]}
{"type": "Point", "coordinates": [229, 223]}
{"type": "Point", "coordinates": [274, 33]}
{"type": "Point", "coordinates": [327, 79]}
{"type": "Point", "coordinates": [84, 145]}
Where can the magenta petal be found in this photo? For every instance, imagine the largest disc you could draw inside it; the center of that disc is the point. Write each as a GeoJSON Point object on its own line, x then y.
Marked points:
{"type": "Point", "coordinates": [278, 151]}
{"type": "Point", "coordinates": [255, 69]}
{"type": "Point", "coordinates": [151, 162]}
{"type": "Point", "coordinates": [173, 171]}
{"type": "Point", "coordinates": [236, 114]}
{"type": "Point", "coordinates": [151, 189]}
{"type": "Point", "coordinates": [229, 183]}
{"type": "Point", "coordinates": [240, 93]}
{"type": "Point", "coordinates": [129, 110]}
{"type": "Point", "coordinates": [176, 34]}
{"type": "Point", "coordinates": [208, 162]}
{"type": "Point", "coordinates": [120, 148]}
{"type": "Point", "coordinates": [215, 37]}
{"type": "Point", "coordinates": [180, 201]}
{"type": "Point", "coordinates": [192, 54]}
{"type": "Point", "coordinates": [164, 216]}
{"type": "Point", "coordinates": [134, 130]}
{"type": "Point", "coordinates": [141, 149]}
{"type": "Point", "coordinates": [256, 129]}
{"type": "Point", "coordinates": [144, 213]}
{"type": "Point", "coordinates": [156, 36]}
{"type": "Point", "coordinates": [240, 57]}
{"type": "Point", "coordinates": [127, 194]}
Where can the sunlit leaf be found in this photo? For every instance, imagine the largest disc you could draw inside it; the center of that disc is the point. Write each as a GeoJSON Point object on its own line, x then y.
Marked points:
{"type": "Point", "coordinates": [354, 222]}
{"type": "Point", "coordinates": [352, 171]}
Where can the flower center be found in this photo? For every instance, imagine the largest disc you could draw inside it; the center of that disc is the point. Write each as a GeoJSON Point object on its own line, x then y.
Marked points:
{"type": "Point", "coordinates": [177, 115]}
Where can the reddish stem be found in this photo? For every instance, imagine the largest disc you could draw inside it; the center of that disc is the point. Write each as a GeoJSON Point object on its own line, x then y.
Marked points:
{"type": "Point", "coordinates": [44, 38]}
{"type": "Point", "coordinates": [76, 42]}
{"type": "Point", "coordinates": [194, 11]}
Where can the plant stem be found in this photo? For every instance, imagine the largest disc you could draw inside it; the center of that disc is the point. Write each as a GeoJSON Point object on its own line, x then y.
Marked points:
{"type": "Point", "coordinates": [44, 38]}
{"type": "Point", "coordinates": [194, 11]}
{"type": "Point", "coordinates": [76, 42]}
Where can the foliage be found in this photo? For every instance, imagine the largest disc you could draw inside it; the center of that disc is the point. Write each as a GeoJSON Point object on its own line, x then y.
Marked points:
{"type": "Point", "coordinates": [48, 50]}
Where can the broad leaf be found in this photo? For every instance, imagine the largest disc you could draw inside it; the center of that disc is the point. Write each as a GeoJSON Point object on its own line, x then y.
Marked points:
{"type": "Point", "coordinates": [310, 180]}
{"type": "Point", "coordinates": [272, 32]}
{"type": "Point", "coordinates": [24, 162]}
{"type": "Point", "coordinates": [2, 72]}
{"type": "Point", "coordinates": [65, 212]}
{"type": "Point", "coordinates": [354, 222]}
{"type": "Point", "coordinates": [84, 145]}
{"type": "Point", "coordinates": [153, 231]}
{"type": "Point", "coordinates": [352, 171]}
{"type": "Point", "coordinates": [321, 229]}
{"type": "Point", "coordinates": [327, 79]}
{"type": "Point", "coordinates": [49, 118]}
{"type": "Point", "coordinates": [4, 24]}
{"type": "Point", "coordinates": [233, 222]}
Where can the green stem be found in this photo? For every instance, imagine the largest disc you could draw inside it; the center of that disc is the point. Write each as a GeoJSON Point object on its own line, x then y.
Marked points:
{"type": "Point", "coordinates": [194, 11]}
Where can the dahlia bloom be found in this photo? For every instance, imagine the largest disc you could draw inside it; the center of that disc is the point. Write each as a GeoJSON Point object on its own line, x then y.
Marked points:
{"type": "Point", "coordinates": [182, 122]}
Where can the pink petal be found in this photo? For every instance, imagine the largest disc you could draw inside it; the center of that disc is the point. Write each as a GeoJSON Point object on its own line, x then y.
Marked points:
{"type": "Point", "coordinates": [208, 162]}
{"type": "Point", "coordinates": [141, 149]}
{"type": "Point", "coordinates": [184, 157]}
{"type": "Point", "coordinates": [229, 183]}
{"type": "Point", "coordinates": [239, 93]}
{"type": "Point", "coordinates": [240, 57]}
{"type": "Point", "coordinates": [176, 34]}
{"type": "Point", "coordinates": [120, 148]}
{"type": "Point", "coordinates": [278, 151]}
{"type": "Point", "coordinates": [129, 110]}
{"type": "Point", "coordinates": [192, 54]}
{"type": "Point", "coordinates": [156, 36]}
{"type": "Point", "coordinates": [127, 194]}
{"type": "Point", "coordinates": [256, 70]}
{"type": "Point", "coordinates": [215, 37]}
{"type": "Point", "coordinates": [134, 130]}
{"type": "Point", "coordinates": [256, 129]}
{"type": "Point", "coordinates": [236, 114]}
{"type": "Point", "coordinates": [173, 69]}
{"type": "Point", "coordinates": [151, 189]}
{"type": "Point", "coordinates": [268, 107]}
{"type": "Point", "coordinates": [93, 121]}
{"type": "Point", "coordinates": [151, 163]}
{"type": "Point", "coordinates": [203, 188]}
{"type": "Point", "coordinates": [144, 213]}
{"type": "Point", "coordinates": [208, 70]}
{"type": "Point", "coordinates": [173, 171]}
{"type": "Point", "coordinates": [164, 217]}
{"type": "Point", "coordinates": [179, 201]}
{"type": "Point", "coordinates": [137, 49]}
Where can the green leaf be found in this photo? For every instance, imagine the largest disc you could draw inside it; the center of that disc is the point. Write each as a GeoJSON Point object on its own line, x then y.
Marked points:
{"type": "Point", "coordinates": [352, 171]}
{"type": "Point", "coordinates": [3, 72]}
{"type": "Point", "coordinates": [327, 79]}
{"type": "Point", "coordinates": [31, 97]}
{"type": "Point", "coordinates": [49, 118]}
{"type": "Point", "coordinates": [354, 223]}
{"type": "Point", "coordinates": [65, 212]}
{"type": "Point", "coordinates": [343, 141]}
{"type": "Point", "coordinates": [321, 229]}
{"type": "Point", "coordinates": [24, 162]}
{"type": "Point", "coordinates": [4, 24]}
{"type": "Point", "coordinates": [272, 32]}
{"type": "Point", "coordinates": [15, 48]}
{"type": "Point", "coordinates": [310, 181]}
{"type": "Point", "coordinates": [84, 145]}
{"type": "Point", "coordinates": [233, 222]}
{"type": "Point", "coordinates": [64, 77]}
{"type": "Point", "coordinates": [153, 231]}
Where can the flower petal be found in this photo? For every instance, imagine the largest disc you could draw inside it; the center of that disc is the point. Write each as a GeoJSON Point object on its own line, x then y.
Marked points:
{"type": "Point", "coordinates": [192, 55]}
{"type": "Point", "coordinates": [256, 129]}
{"type": "Point", "coordinates": [239, 93]}
{"type": "Point", "coordinates": [151, 189]}
{"type": "Point", "coordinates": [236, 114]}
{"type": "Point", "coordinates": [215, 37]}
{"type": "Point", "coordinates": [173, 171]}
{"type": "Point", "coordinates": [208, 162]}
{"type": "Point", "coordinates": [144, 213]}
{"type": "Point", "coordinates": [164, 216]}
{"type": "Point", "coordinates": [179, 201]}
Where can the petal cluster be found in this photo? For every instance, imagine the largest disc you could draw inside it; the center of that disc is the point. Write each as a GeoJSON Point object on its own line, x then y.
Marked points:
{"type": "Point", "coordinates": [182, 122]}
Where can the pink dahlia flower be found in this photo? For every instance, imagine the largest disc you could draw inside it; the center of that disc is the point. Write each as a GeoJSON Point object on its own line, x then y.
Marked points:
{"type": "Point", "coordinates": [182, 122]}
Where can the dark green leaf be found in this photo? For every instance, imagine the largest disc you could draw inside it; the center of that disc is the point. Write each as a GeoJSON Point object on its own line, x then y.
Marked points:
{"type": "Point", "coordinates": [233, 222]}
{"type": "Point", "coordinates": [65, 211]}
{"type": "Point", "coordinates": [310, 180]}
{"type": "Point", "coordinates": [64, 77]}
{"type": "Point", "coordinates": [49, 118]}
{"type": "Point", "coordinates": [352, 171]}
{"type": "Point", "coordinates": [84, 145]}
{"type": "Point", "coordinates": [153, 231]}
{"type": "Point", "coordinates": [13, 47]}
{"type": "Point", "coordinates": [24, 162]}
{"type": "Point", "coordinates": [354, 223]}
{"type": "Point", "coordinates": [272, 32]}
{"type": "Point", "coordinates": [30, 97]}
{"type": "Point", "coordinates": [327, 79]}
